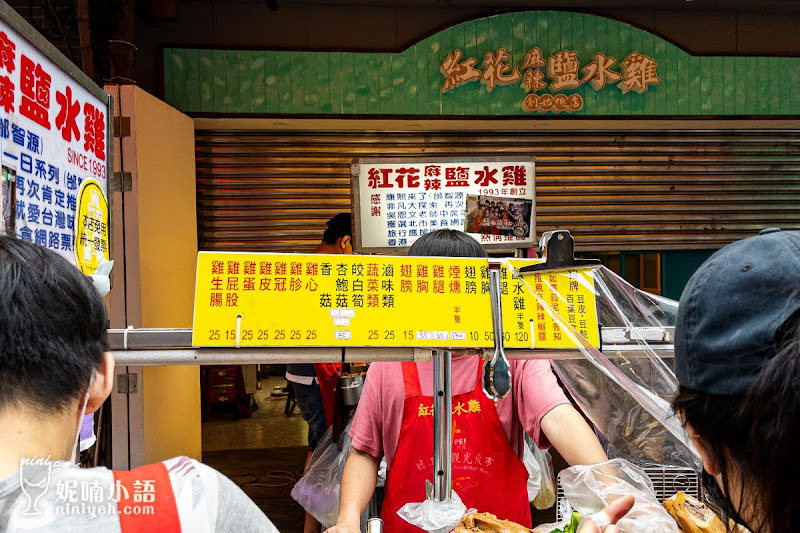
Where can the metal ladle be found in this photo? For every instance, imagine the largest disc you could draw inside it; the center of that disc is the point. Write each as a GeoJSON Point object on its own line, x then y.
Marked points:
{"type": "Point", "coordinates": [496, 373]}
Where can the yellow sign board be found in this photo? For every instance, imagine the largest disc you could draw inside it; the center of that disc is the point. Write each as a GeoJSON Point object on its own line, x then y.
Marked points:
{"type": "Point", "coordinates": [253, 299]}
{"type": "Point", "coordinates": [347, 300]}
{"type": "Point", "coordinates": [91, 227]}
{"type": "Point", "coordinates": [570, 294]}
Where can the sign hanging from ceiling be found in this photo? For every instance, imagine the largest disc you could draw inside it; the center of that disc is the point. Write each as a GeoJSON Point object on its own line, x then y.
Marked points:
{"type": "Point", "coordinates": [398, 201]}
{"type": "Point", "coordinates": [54, 136]}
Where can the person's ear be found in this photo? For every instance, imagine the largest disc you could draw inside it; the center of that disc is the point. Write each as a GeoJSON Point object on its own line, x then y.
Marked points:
{"type": "Point", "coordinates": [101, 384]}
{"type": "Point", "coordinates": [706, 455]}
{"type": "Point", "coordinates": [346, 244]}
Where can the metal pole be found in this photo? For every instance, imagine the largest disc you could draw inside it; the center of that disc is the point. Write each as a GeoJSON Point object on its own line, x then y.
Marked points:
{"type": "Point", "coordinates": [442, 426]}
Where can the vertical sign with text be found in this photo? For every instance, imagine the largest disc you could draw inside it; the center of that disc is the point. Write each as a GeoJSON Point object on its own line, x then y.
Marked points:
{"type": "Point", "coordinates": [53, 136]}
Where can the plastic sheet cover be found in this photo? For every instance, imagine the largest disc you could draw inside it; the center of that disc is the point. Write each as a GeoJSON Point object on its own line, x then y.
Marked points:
{"type": "Point", "coordinates": [625, 389]}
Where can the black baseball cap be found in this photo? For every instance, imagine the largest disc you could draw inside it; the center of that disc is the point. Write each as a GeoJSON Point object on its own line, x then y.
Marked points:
{"type": "Point", "coordinates": [731, 310]}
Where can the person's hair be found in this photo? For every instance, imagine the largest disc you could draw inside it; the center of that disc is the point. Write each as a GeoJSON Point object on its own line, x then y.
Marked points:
{"type": "Point", "coordinates": [53, 328]}
{"type": "Point", "coordinates": [447, 243]}
{"type": "Point", "coordinates": [339, 226]}
{"type": "Point", "coordinates": [753, 439]}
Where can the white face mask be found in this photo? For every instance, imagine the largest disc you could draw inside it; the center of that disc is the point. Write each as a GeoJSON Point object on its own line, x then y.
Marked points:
{"type": "Point", "coordinates": [73, 457]}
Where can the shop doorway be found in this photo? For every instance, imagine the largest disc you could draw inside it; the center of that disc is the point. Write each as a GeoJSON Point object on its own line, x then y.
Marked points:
{"type": "Point", "coordinates": [253, 433]}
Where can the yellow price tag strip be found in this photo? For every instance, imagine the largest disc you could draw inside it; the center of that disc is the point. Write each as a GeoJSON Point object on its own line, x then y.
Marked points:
{"type": "Point", "coordinates": [349, 300]}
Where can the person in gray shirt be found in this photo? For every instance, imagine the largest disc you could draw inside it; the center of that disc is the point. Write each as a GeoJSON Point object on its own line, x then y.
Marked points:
{"type": "Point", "coordinates": [54, 367]}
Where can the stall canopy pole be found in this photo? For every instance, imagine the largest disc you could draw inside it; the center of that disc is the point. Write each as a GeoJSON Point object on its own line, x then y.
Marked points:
{"type": "Point", "coordinates": [442, 426]}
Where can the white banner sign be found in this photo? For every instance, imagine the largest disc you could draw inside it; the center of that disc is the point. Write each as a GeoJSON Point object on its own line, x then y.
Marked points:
{"type": "Point", "coordinates": [53, 136]}
{"type": "Point", "coordinates": [398, 202]}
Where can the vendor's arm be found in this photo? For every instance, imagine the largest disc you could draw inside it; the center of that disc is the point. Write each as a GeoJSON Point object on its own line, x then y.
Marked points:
{"type": "Point", "coordinates": [549, 418]}
{"type": "Point", "coordinates": [361, 469]}
{"type": "Point", "coordinates": [569, 433]}
{"type": "Point", "coordinates": [358, 484]}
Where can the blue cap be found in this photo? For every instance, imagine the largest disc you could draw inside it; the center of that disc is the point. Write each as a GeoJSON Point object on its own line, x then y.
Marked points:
{"type": "Point", "coordinates": [731, 310]}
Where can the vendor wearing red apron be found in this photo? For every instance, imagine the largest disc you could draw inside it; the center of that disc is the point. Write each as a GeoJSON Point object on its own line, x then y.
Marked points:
{"type": "Point", "coordinates": [394, 419]}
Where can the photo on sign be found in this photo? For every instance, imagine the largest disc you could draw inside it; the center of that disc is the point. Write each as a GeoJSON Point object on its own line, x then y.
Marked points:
{"type": "Point", "coordinates": [8, 185]}
{"type": "Point", "coordinates": [497, 215]}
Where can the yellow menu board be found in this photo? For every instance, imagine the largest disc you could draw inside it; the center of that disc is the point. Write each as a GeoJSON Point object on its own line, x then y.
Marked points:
{"type": "Point", "coordinates": [349, 300]}
{"type": "Point", "coordinates": [340, 300]}
{"type": "Point", "coordinates": [570, 293]}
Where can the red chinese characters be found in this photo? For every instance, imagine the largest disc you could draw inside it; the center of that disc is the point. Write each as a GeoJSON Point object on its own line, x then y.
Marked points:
{"type": "Point", "coordinates": [7, 57]}
{"type": "Point", "coordinates": [66, 118]}
{"type": "Point", "coordinates": [408, 175]}
{"type": "Point", "coordinates": [379, 178]}
{"type": "Point", "coordinates": [95, 134]}
{"type": "Point", "coordinates": [515, 175]}
{"type": "Point", "coordinates": [6, 94]}
{"type": "Point", "coordinates": [456, 177]}
{"type": "Point", "coordinates": [404, 178]}
{"type": "Point", "coordinates": [433, 184]}
{"type": "Point", "coordinates": [8, 53]}
{"type": "Point", "coordinates": [433, 171]}
{"type": "Point", "coordinates": [485, 176]}
{"type": "Point", "coordinates": [35, 88]}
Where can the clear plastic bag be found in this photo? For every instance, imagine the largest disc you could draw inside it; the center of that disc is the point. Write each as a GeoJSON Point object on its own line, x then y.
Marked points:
{"type": "Point", "coordinates": [435, 516]}
{"type": "Point", "coordinates": [541, 480]}
{"type": "Point", "coordinates": [318, 490]}
{"type": "Point", "coordinates": [590, 488]}
{"type": "Point", "coordinates": [534, 471]}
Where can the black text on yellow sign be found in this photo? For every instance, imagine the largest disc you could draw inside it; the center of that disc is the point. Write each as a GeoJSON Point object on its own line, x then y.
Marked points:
{"type": "Point", "coordinates": [335, 300]}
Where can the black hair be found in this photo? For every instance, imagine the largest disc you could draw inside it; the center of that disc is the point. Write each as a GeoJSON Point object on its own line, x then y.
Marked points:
{"type": "Point", "coordinates": [753, 439]}
{"type": "Point", "coordinates": [447, 243]}
{"type": "Point", "coordinates": [53, 328]}
{"type": "Point", "coordinates": [339, 226]}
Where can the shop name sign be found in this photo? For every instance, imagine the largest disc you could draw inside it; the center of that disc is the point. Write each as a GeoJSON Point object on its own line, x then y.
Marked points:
{"type": "Point", "coordinates": [637, 72]}
{"type": "Point", "coordinates": [53, 138]}
{"type": "Point", "coordinates": [397, 202]}
{"type": "Point", "coordinates": [257, 299]}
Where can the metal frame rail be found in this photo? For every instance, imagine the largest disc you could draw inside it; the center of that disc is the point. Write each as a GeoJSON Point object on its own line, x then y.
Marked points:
{"type": "Point", "coordinates": [158, 346]}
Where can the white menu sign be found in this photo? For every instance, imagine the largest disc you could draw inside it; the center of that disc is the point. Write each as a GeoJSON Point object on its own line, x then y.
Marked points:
{"type": "Point", "coordinates": [397, 202]}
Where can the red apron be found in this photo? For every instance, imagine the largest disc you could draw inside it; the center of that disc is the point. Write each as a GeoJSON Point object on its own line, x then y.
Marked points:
{"type": "Point", "coordinates": [145, 500]}
{"type": "Point", "coordinates": [487, 474]}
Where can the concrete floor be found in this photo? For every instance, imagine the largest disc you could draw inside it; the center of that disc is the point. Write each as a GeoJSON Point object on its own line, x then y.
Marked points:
{"type": "Point", "coordinates": [264, 454]}
{"type": "Point", "coordinates": [267, 476]}
{"type": "Point", "coordinates": [267, 427]}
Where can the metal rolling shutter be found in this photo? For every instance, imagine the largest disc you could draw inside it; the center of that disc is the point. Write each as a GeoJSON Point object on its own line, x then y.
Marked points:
{"type": "Point", "coordinates": [615, 190]}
